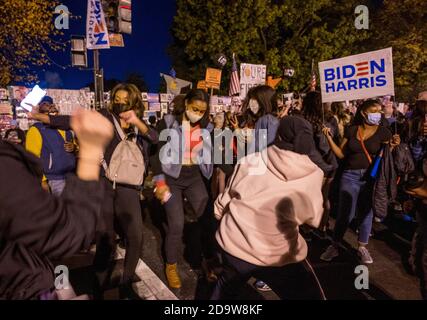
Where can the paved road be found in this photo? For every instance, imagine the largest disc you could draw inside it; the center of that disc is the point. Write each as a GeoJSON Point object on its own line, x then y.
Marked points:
{"type": "Point", "coordinates": [389, 277]}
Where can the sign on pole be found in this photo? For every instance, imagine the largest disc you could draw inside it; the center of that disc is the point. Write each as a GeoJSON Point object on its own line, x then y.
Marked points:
{"type": "Point", "coordinates": [96, 28]}
{"type": "Point", "coordinates": [116, 40]}
{"type": "Point", "coordinates": [361, 76]}
{"type": "Point", "coordinates": [251, 75]}
{"type": "Point", "coordinates": [213, 78]}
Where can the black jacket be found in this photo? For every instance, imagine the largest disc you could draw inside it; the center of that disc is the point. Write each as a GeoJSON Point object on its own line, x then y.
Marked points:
{"type": "Point", "coordinates": [385, 186]}
{"type": "Point", "coordinates": [36, 227]}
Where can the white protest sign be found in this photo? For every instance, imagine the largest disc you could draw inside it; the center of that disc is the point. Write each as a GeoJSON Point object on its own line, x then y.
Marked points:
{"type": "Point", "coordinates": [361, 76]}
{"type": "Point", "coordinates": [96, 28]}
{"type": "Point", "coordinates": [251, 75]}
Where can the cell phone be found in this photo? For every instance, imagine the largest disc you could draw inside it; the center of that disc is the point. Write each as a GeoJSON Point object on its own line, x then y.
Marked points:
{"type": "Point", "coordinates": [33, 98]}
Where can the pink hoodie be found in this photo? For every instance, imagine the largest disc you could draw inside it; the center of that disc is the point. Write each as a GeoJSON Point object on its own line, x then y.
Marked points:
{"type": "Point", "coordinates": [268, 197]}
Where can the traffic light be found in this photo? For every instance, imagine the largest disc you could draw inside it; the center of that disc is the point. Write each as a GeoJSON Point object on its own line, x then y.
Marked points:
{"type": "Point", "coordinates": [111, 11]}
{"type": "Point", "coordinates": [125, 16]}
{"type": "Point", "coordinates": [118, 15]}
{"type": "Point", "coordinates": [78, 51]}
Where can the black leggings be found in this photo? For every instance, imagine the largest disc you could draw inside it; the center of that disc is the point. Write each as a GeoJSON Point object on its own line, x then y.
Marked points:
{"type": "Point", "coordinates": [189, 184]}
{"type": "Point", "coordinates": [123, 205]}
{"type": "Point", "coordinates": [295, 281]}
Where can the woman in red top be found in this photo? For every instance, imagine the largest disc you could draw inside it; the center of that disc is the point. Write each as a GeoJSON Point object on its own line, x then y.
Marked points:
{"type": "Point", "coordinates": [174, 181]}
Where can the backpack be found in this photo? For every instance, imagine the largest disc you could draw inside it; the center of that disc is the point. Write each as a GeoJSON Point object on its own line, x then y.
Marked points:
{"type": "Point", "coordinates": [127, 164]}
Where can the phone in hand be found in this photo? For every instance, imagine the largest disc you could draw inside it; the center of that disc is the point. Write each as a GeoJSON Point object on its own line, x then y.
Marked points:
{"type": "Point", "coordinates": [33, 98]}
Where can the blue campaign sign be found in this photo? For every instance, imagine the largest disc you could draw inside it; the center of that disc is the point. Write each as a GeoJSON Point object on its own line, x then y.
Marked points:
{"type": "Point", "coordinates": [355, 77]}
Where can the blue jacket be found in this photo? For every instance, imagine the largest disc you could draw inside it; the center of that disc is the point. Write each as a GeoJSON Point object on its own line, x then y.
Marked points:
{"type": "Point", "coordinates": [55, 160]}
{"type": "Point", "coordinates": [174, 169]}
{"type": "Point", "coordinates": [271, 124]}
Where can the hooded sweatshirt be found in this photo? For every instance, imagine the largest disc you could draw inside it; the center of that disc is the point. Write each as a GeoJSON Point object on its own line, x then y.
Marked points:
{"type": "Point", "coordinates": [268, 197]}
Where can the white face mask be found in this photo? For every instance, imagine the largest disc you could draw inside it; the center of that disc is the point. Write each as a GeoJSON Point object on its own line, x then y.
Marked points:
{"type": "Point", "coordinates": [254, 106]}
{"type": "Point", "coordinates": [193, 117]}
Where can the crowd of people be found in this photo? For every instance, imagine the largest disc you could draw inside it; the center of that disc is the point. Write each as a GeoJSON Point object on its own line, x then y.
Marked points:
{"type": "Point", "coordinates": [289, 166]}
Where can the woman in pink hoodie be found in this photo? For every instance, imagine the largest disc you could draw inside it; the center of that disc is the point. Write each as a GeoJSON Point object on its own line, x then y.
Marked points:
{"type": "Point", "coordinates": [268, 197]}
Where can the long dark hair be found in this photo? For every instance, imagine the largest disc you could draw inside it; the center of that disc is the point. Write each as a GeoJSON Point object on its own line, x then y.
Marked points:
{"type": "Point", "coordinates": [313, 111]}
{"type": "Point", "coordinates": [267, 100]}
{"type": "Point", "coordinates": [358, 118]}
{"type": "Point", "coordinates": [178, 105]}
{"type": "Point", "coordinates": [197, 95]}
{"type": "Point", "coordinates": [135, 98]}
{"type": "Point", "coordinates": [417, 119]}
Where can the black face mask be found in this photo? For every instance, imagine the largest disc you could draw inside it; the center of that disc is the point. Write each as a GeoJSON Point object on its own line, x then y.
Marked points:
{"type": "Point", "coordinates": [119, 108]}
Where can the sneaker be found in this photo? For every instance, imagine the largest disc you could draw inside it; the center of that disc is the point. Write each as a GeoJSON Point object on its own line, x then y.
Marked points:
{"type": "Point", "coordinates": [172, 275]}
{"type": "Point", "coordinates": [330, 253]}
{"type": "Point", "coordinates": [261, 286]}
{"type": "Point", "coordinates": [364, 255]}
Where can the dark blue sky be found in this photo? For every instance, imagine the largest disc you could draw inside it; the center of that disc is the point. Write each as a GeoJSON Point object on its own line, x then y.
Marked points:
{"type": "Point", "coordinates": [144, 52]}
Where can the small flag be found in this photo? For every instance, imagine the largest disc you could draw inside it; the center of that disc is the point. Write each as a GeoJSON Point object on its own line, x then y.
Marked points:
{"type": "Point", "coordinates": [313, 83]}
{"type": "Point", "coordinates": [234, 80]}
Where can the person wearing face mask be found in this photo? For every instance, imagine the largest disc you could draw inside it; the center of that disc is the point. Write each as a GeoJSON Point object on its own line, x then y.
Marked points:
{"type": "Point", "coordinates": [121, 205]}
{"type": "Point", "coordinates": [126, 109]}
{"type": "Point", "coordinates": [362, 142]}
{"type": "Point", "coordinates": [260, 107]}
{"type": "Point", "coordinates": [184, 176]}
{"type": "Point", "coordinates": [55, 148]}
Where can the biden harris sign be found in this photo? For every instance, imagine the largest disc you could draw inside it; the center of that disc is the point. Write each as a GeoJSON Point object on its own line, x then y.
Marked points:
{"type": "Point", "coordinates": [361, 76]}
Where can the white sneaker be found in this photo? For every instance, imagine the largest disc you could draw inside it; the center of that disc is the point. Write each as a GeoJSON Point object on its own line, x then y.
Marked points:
{"type": "Point", "coordinates": [364, 255]}
{"type": "Point", "coordinates": [330, 253]}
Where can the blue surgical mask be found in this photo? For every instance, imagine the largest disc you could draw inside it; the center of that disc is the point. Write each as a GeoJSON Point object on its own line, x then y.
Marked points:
{"type": "Point", "coordinates": [374, 119]}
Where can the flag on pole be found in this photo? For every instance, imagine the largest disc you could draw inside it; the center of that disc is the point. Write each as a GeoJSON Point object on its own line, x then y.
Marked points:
{"type": "Point", "coordinates": [234, 80]}
{"type": "Point", "coordinates": [313, 83]}
{"type": "Point", "coordinates": [174, 85]}
{"type": "Point", "coordinates": [96, 28]}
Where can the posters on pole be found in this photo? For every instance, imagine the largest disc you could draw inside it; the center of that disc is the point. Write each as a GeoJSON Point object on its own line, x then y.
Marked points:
{"type": "Point", "coordinates": [251, 75]}
{"type": "Point", "coordinates": [116, 40]}
{"type": "Point", "coordinates": [202, 85]}
{"type": "Point", "coordinates": [155, 106]}
{"type": "Point", "coordinates": [96, 28]}
{"type": "Point", "coordinates": [4, 95]}
{"type": "Point", "coordinates": [67, 101]}
{"type": "Point", "coordinates": [361, 76]}
{"type": "Point", "coordinates": [5, 108]}
{"type": "Point", "coordinates": [164, 97]}
{"type": "Point", "coordinates": [213, 78]}
{"type": "Point", "coordinates": [18, 93]}
{"type": "Point", "coordinates": [153, 97]}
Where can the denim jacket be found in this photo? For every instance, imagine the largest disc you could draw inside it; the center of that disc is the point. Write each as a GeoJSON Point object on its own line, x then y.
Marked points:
{"type": "Point", "coordinates": [174, 169]}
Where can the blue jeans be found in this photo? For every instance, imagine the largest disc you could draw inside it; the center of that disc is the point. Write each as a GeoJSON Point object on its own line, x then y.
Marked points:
{"type": "Point", "coordinates": [355, 196]}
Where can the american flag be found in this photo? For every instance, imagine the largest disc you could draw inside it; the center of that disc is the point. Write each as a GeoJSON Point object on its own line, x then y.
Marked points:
{"type": "Point", "coordinates": [234, 81]}
{"type": "Point", "coordinates": [313, 83]}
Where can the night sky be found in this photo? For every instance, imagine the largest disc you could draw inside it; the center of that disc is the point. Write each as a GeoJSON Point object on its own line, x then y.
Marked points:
{"type": "Point", "coordinates": [144, 52]}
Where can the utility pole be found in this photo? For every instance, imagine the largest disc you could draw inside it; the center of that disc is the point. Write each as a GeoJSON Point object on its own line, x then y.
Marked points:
{"type": "Point", "coordinates": [98, 81]}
